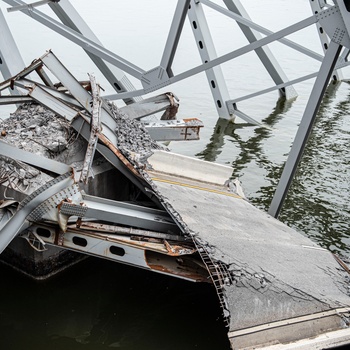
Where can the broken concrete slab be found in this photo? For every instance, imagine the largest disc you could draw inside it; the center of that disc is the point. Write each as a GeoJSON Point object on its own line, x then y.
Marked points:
{"type": "Point", "coordinates": [272, 273]}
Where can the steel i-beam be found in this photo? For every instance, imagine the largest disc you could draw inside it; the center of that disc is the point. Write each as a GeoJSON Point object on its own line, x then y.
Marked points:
{"type": "Point", "coordinates": [264, 53]}
{"type": "Point", "coordinates": [207, 52]}
{"type": "Point", "coordinates": [11, 61]}
{"type": "Point", "coordinates": [174, 36]}
{"type": "Point", "coordinates": [335, 20]}
{"type": "Point", "coordinates": [20, 220]}
{"type": "Point", "coordinates": [72, 19]}
{"type": "Point", "coordinates": [305, 127]}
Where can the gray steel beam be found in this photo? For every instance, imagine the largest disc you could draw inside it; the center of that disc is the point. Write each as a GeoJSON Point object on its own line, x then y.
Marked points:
{"type": "Point", "coordinates": [121, 213]}
{"type": "Point", "coordinates": [11, 61]}
{"type": "Point", "coordinates": [262, 30]}
{"type": "Point", "coordinates": [127, 250]}
{"type": "Point", "coordinates": [245, 49]}
{"type": "Point", "coordinates": [174, 130]}
{"type": "Point", "coordinates": [11, 80]}
{"type": "Point", "coordinates": [33, 159]}
{"type": "Point", "coordinates": [305, 127]}
{"type": "Point", "coordinates": [264, 53]}
{"type": "Point", "coordinates": [83, 128]}
{"type": "Point", "coordinates": [174, 35]}
{"type": "Point", "coordinates": [19, 221]}
{"type": "Point", "coordinates": [31, 5]}
{"type": "Point", "coordinates": [207, 52]}
{"type": "Point", "coordinates": [246, 117]}
{"type": "Point", "coordinates": [95, 130]}
{"type": "Point", "coordinates": [44, 77]}
{"type": "Point", "coordinates": [80, 40]}
{"type": "Point", "coordinates": [149, 106]}
{"type": "Point", "coordinates": [16, 99]}
{"type": "Point", "coordinates": [68, 99]}
{"type": "Point", "coordinates": [339, 65]}
{"type": "Point", "coordinates": [52, 103]}
{"type": "Point", "coordinates": [67, 80]}
{"type": "Point", "coordinates": [229, 56]}
{"type": "Point", "coordinates": [83, 97]}
{"type": "Point", "coordinates": [72, 19]}
{"type": "Point", "coordinates": [61, 96]}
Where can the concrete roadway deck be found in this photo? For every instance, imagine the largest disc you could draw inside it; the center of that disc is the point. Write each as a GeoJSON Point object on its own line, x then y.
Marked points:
{"type": "Point", "coordinates": [282, 287]}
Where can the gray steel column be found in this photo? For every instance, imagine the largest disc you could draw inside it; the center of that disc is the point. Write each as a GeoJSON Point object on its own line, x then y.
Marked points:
{"type": "Point", "coordinates": [71, 18]}
{"type": "Point", "coordinates": [174, 35]}
{"type": "Point", "coordinates": [305, 127]}
{"type": "Point", "coordinates": [11, 61]}
{"type": "Point", "coordinates": [207, 52]}
{"type": "Point", "coordinates": [264, 53]}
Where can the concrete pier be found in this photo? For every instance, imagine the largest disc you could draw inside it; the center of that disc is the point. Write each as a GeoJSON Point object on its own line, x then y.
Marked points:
{"type": "Point", "coordinates": [38, 265]}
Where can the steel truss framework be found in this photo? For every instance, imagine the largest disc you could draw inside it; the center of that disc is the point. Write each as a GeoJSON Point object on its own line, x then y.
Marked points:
{"type": "Point", "coordinates": [114, 67]}
{"type": "Point", "coordinates": [155, 237]}
{"type": "Point", "coordinates": [333, 26]}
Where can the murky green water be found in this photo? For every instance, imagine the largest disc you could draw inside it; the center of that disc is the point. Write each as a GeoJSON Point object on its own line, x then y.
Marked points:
{"type": "Point", "coordinates": [318, 202]}
{"type": "Point", "coordinates": [101, 305]}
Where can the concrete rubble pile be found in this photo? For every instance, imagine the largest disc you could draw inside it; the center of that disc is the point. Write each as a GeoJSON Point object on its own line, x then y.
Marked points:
{"type": "Point", "coordinates": [133, 139]}
{"type": "Point", "coordinates": [35, 129]}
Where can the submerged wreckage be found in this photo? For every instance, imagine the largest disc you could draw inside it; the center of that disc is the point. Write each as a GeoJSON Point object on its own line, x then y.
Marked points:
{"type": "Point", "coordinates": [79, 174]}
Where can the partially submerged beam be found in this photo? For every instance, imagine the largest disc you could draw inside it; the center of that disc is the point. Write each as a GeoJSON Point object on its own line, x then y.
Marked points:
{"type": "Point", "coordinates": [335, 21]}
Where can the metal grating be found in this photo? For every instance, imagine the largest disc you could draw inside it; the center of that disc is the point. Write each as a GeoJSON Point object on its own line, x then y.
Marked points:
{"type": "Point", "coordinates": [220, 276]}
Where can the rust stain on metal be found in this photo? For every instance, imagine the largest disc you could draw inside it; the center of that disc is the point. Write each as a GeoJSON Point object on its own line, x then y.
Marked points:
{"type": "Point", "coordinates": [177, 267]}
{"type": "Point", "coordinates": [190, 275]}
{"type": "Point", "coordinates": [116, 151]}
{"type": "Point", "coordinates": [92, 226]}
{"type": "Point", "coordinates": [147, 243]}
{"type": "Point", "coordinates": [59, 237]}
{"type": "Point", "coordinates": [171, 111]}
{"type": "Point", "coordinates": [67, 200]}
{"type": "Point", "coordinates": [78, 223]}
{"type": "Point", "coordinates": [124, 240]}
{"type": "Point", "coordinates": [176, 250]}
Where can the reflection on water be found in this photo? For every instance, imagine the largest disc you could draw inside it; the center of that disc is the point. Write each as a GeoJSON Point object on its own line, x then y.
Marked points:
{"type": "Point", "coordinates": [102, 305]}
{"type": "Point", "coordinates": [317, 204]}
{"type": "Point", "coordinates": [249, 149]}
